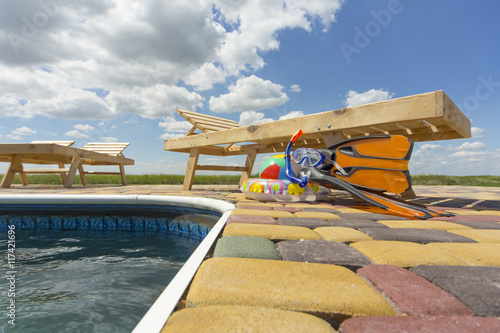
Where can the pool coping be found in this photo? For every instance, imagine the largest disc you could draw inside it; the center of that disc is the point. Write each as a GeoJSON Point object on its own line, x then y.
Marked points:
{"type": "Point", "coordinates": [158, 314]}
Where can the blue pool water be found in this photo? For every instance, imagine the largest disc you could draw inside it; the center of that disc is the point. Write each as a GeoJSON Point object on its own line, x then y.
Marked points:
{"type": "Point", "coordinates": [99, 275]}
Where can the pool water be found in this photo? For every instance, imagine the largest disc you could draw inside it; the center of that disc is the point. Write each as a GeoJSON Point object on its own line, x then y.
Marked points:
{"type": "Point", "coordinates": [88, 280]}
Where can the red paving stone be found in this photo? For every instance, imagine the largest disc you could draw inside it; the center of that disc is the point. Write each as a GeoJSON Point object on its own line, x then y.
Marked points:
{"type": "Point", "coordinates": [412, 294]}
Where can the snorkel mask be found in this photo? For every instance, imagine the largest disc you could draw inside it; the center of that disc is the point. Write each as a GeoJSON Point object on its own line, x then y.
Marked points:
{"type": "Point", "coordinates": [289, 174]}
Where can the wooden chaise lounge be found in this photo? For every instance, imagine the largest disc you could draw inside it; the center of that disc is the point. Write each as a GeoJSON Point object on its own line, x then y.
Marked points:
{"type": "Point", "coordinates": [61, 153]}
{"type": "Point", "coordinates": [423, 117]}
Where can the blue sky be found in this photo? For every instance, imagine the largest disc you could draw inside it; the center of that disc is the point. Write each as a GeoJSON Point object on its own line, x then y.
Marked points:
{"type": "Point", "coordinates": [115, 71]}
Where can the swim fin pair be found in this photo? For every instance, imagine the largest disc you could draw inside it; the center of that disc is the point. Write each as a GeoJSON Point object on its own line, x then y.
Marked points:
{"type": "Point", "coordinates": [365, 167]}
{"type": "Point", "coordinates": [375, 162]}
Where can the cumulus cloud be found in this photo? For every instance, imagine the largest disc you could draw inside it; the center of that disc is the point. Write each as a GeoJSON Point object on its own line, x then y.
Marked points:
{"type": "Point", "coordinates": [76, 134]}
{"type": "Point", "coordinates": [23, 131]}
{"type": "Point", "coordinates": [354, 98]}
{"type": "Point", "coordinates": [471, 146]}
{"type": "Point", "coordinates": [292, 114]}
{"type": "Point", "coordinates": [477, 132]}
{"type": "Point", "coordinates": [295, 88]}
{"type": "Point", "coordinates": [249, 94]}
{"type": "Point", "coordinates": [171, 125]}
{"type": "Point", "coordinates": [252, 118]}
{"type": "Point", "coordinates": [85, 128]}
{"type": "Point", "coordinates": [101, 59]}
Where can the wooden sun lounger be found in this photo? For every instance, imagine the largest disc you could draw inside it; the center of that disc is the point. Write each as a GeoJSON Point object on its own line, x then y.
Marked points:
{"type": "Point", "coordinates": [60, 153]}
{"type": "Point", "coordinates": [423, 117]}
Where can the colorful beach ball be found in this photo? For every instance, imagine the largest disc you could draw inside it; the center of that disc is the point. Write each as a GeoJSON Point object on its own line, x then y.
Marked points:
{"type": "Point", "coordinates": [274, 168]}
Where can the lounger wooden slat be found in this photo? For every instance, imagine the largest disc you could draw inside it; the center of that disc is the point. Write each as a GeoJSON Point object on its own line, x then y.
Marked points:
{"type": "Point", "coordinates": [424, 117]}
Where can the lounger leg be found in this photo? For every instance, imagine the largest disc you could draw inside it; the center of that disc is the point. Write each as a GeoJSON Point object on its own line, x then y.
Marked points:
{"type": "Point", "coordinates": [191, 169]}
{"type": "Point", "coordinates": [63, 174]}
{"type": "Point", "coordinates": [122, 174]}
{"type": "Point", "coordinates": [82, 175]}
{"type": "Point", "coordinates": [14, 167]}
{"type": "Point", "coordinates": [70, 178]}
{"type": "Point", "coordinates": [249, 166]}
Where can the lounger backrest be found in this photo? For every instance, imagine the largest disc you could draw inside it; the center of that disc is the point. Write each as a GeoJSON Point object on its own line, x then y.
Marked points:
{"type": "Point", "coordinates": [110, 148]}
{"type": "Point", "coordinates": [206, 123]}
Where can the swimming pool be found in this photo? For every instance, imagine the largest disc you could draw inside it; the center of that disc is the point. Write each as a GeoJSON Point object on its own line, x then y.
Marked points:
{"type": "Point", "coordinates": [67, 220]}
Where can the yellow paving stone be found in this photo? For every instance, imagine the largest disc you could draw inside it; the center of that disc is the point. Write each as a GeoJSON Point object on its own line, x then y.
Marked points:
{"type": "Point", "coordinates": [272, 232]}
{"type": "Point", "coordinates": [224, 318]}
{"type": "Point", "coordinates": [474, 212]}
{"type": "Point", "coordinates": [259, 204]}
{"type": "Point", "coordinates": [403, 254]}
{"type": "Point", "coordinates": [341, 234]}
{"type": "Point", "coordinates": [480, 235]}
{"type": "Point", "coordinates": [351, 210]}
{"type": "Point", "coordinates": [272, 213]}
{"type": "Point", "coordinates": [309, 205]}
{"type": "Point", "coordinates": [418, 224]}
{"type": "Point", "coordinates": [318, 215]}
{"type": "Point", "coordinates": [326, 290]}
{"type": "Point", "coordinates": [471, 254]}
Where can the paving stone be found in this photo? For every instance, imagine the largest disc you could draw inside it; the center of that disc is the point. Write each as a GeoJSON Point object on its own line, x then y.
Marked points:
{"type": "Point", "coordinates": [348, 210]}
{"type": "Point", "coordinates": [476, 287]}
{"type": "Point", "coordinates": [321, 251]}
{"type": "Point", "coordinates": [309, 205]}
{"type": "Point", "coordinates": [251, 219]}
{"type": "Point", "coordinates": [418, 224]}
{"type": "Point", "coordinates": [412, 294]}
{"type": "Point", "coordinates": [421, 236]}
{"type": "Point", "coordinates": [476, 212]}
{"type": "Point", "coordinates": [319, 215]}
{"type": "Point", "coordinates": [321, 209]}
{"type": "Point", "coordinates": [246, 247]}
{"type": "Point", "coordinates": [479, 224]}
{"type": "Point", "coordinates": [481, 236]}
{"type": "Point", "coordinates": [259, 203]}
{"type": "Point", "coordinates": [340, 234]}
{"type": "Point", "coordinates": [471, 254]}
{"type": "Point", "coordinates": [270, 213]}
{"type": "Point", "coordinates": [288, 209]}
{"type": "Point", "coordinates": [329, 291]}
{"type": "Point", "coordinates": [272, 232]}
{"type": "Point", "coordinates": [467, 218]}
{"type": "Point", "coordinates": [404, 254]}
{"type": "Point", "coordinates": [308, 222]}
{"type": "Point", "coordinates": [216, 319]}
{"type": "Point", "coordinates": [254, 207]}
{"type": "Point", "coordinates": [422, 324]}
{"type": "Point", "coordinates": [368, 216]}
{"type": "Point", "coordinates": [356, 223]}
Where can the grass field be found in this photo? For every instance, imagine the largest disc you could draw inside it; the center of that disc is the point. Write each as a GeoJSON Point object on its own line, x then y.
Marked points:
{"type": "Point", "coordinates": [152, 179]}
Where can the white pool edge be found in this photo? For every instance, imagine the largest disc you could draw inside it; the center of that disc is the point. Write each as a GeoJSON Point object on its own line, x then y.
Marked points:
{"type": "Point", "coordinates": [162, 308]}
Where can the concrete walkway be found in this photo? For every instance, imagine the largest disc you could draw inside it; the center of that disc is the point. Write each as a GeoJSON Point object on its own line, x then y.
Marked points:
{"type": "Point", "coordinates": [326, 267]}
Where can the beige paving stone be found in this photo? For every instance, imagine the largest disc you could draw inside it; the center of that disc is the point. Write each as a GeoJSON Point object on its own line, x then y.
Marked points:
{"type": "Point", "coordinates": [341, 234]}
{"type": "Point", "coordinates": [471, 254]}
{"type": "Point", "coordinates": [272, 232]}
{"type": "Point", "coordinates": [217, 319]}
{"type": "Point", "coordinates": [417, 224]}
{"type": "Point", "coordinates": [319, 215]}
{"type": "Point", "coordinates": [480, 235]}
{"type": "Point", "coordinates": [258, 203]}
{"type": "Point", "coordinates": [309, 205]}
{"type": "Point", "coordinates": [330, 291]}
{"type": "Point", "coordinates": [351, 210]}
{"type": "Point", "coordinates": [403, 254]}
{"type": "Point", "coordinates": [272, 213]}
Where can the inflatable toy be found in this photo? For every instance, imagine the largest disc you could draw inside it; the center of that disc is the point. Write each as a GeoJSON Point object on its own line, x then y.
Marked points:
{"type": "Point", "coordinates": [273, 185]}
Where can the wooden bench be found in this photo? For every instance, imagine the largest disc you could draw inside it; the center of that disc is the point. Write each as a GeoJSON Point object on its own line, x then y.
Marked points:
{"type": "Point", "coordinates": [424, 117]}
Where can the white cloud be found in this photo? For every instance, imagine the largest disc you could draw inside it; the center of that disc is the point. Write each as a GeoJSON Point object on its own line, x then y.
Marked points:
{"type": "Point", "coordinates": [429, 146]}
{"type": "Point", "coordinates": [249, 94]}
{"type": "Point", "coordinates": [252, 118]}
{"type": "Point", "coordinates": [76, 134]}
{"type": "Point", "coordinates": [292, 114]}
{"type": "Point", "coordinates": [371, 96]}
{"type": "Point", "coordinates": [471, 146]}
{"type": "Point", "coordinates": [295, 88]}
{"type": "Point", "coordinates": [101, 59]}
{"type": "Point", "coordinates": [167, 136]}
{"type": "Point", "coordinates": [109, 139]}
{"type": "Point", "coordinates": [23, 131]}
{"type": "Point", "coordinates": [85, 128]}
{"type": "Point", "coordinates": [171, 125]}
{"type": "Point", "coordinates": [477, 132]}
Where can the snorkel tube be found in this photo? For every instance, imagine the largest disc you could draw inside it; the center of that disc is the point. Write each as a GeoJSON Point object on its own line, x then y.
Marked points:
{"type": "Point", "coordinates": [303, 180]}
